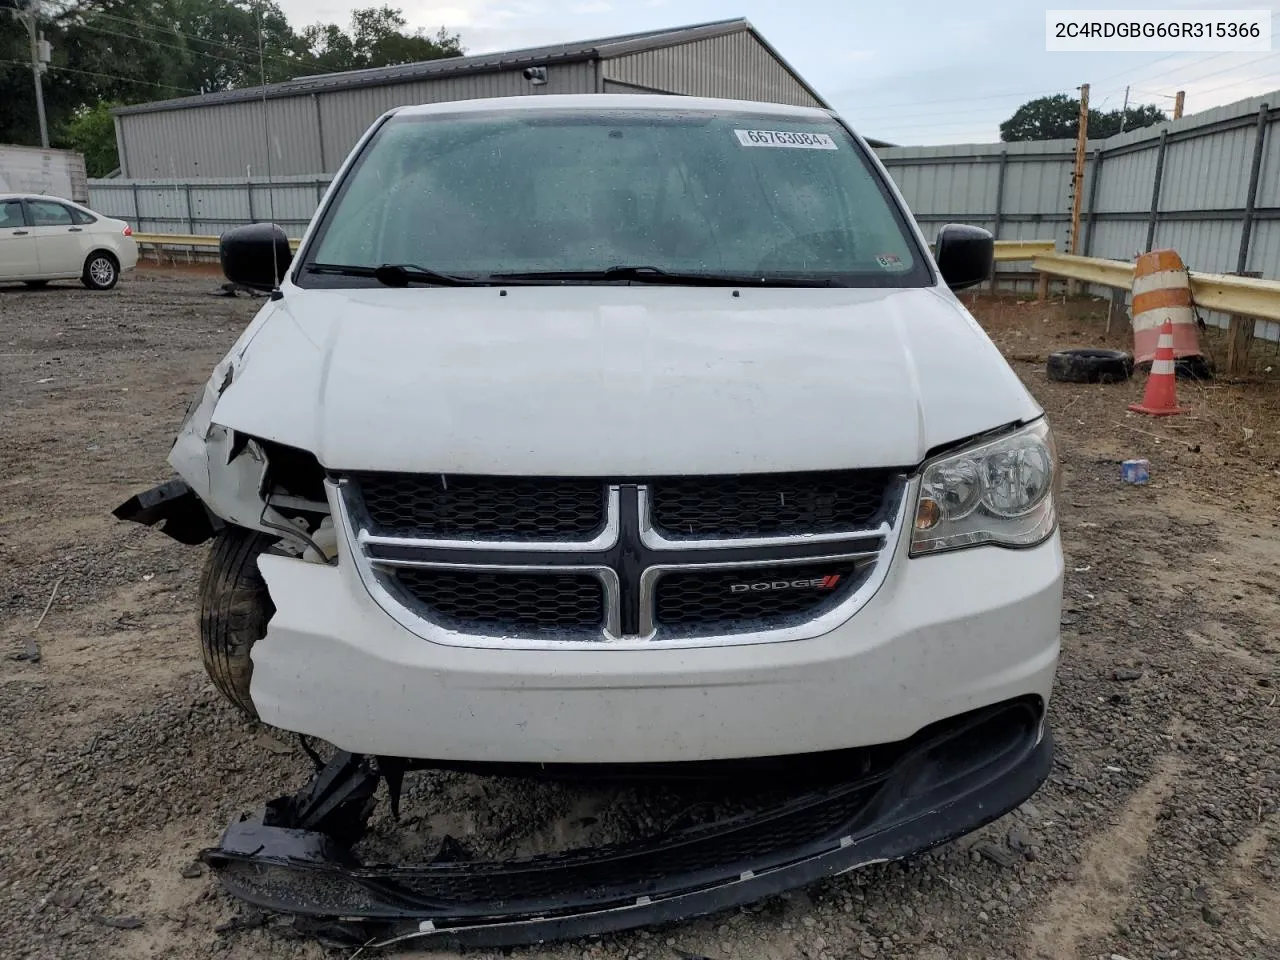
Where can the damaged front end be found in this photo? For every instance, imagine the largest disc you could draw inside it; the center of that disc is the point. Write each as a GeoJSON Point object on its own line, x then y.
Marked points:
{"type": "Point", "coordinates": [229, 477]}
{"type": "Point", "coordinates": [297, 855]}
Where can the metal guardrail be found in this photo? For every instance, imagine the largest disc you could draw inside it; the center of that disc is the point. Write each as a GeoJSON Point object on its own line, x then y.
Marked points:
{"type": "Point", "coordinates": [1239, 296]}
{"type": "Point", "coordinates": [185, 240]}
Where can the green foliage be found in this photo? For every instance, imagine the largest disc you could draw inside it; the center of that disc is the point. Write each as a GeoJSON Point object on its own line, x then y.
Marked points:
{"type": "Point", "coordinates": [92, 131]}
{"type": "Point", "coordinates": [1058, 118]}
{"type": "Point", "coordinates": [375, 38]}
{"type": "Point", "coordinates": [134, 51]}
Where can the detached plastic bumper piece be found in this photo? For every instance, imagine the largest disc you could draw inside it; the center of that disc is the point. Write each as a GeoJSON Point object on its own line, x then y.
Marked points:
{"type": "Point", "coordinates": [295, 857]}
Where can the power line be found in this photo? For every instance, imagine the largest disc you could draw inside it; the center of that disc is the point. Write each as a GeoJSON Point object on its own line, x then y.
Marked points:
{"type": "Point", "coordinates": [165, 46]}
{"type": "Point", "coordinates": [1232, 83]}
{"type": "Point", "coordinates": [191, 36]}
{"type": "Point", "coordinates": [105, 76]}
{"type": "Point", "coordinates": [1183, 81]}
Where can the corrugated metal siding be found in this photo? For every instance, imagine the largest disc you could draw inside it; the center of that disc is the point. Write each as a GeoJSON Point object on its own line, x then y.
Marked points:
{"type": "Point", "coordinates": [346, 114]}
{"type": "Point", "coordinates": [206, 206]}
{"type": "Point", "coordinates": [1208, 172]}
{"type": "Point", "coordinates": [1118, 239]}
{"type": "Point", "coordinates": [222, 141]}
{"type": "Point", "coordinates": [948, 188]}
{"type": "Point", "coordinates": [228, 140]}
{"type": "Point", "coordinates": [736, 66]}
{"type": "Point", "coordinates": [1126, 182]}
{"type": "Point", "coordinates": [1210, 246]}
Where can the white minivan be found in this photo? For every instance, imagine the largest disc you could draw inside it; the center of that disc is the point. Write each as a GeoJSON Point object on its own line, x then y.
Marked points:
{"type": "Point", "coordinates": [591, 433]}
{"type": "Point", "coordinates": [48, 238]}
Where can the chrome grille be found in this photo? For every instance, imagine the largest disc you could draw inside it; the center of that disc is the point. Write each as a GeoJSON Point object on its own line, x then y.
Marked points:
{"type": "Point", "coordinates": [626, 578]}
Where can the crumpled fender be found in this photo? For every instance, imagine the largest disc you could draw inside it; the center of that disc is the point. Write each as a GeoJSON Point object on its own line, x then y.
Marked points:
{"type": "Point", "coordinates": [222, 472]}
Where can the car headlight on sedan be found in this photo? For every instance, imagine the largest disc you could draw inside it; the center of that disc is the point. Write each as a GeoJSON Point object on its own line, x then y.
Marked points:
{"type": "Point", "coordinates": [999, 492]}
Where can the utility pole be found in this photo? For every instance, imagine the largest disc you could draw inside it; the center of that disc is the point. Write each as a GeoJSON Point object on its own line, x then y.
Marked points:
{"type": "Point", "coordinates": [1077, 190]}
{"type": "Point", "coordinates": [1124, 111]}
{"type": "Point", "coordinates": [1178, 100]}
{"type": "Point", "coordinates": [40, 56]}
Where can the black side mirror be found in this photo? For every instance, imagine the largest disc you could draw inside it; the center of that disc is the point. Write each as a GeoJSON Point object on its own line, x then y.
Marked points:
{"type": "Point", "coordinates": [256, 256]}
{"type": "Point", "coordinates": [965, 255]}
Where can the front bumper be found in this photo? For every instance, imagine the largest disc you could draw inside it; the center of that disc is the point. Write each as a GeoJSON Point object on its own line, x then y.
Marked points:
{"type": "Point", "coordinates": [941, 636]}
{"type": "Point", "coordinates": [946, 781]}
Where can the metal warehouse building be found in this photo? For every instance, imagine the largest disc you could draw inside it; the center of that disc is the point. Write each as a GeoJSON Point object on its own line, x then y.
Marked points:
{"type": "Point", "coordinates": [313, 122]}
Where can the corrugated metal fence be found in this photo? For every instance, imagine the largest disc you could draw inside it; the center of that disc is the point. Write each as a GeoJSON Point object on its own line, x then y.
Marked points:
{"type": "Point", "coordinates": [209, 206]}
{"type": "Point", "coordinates": [1207, 186]}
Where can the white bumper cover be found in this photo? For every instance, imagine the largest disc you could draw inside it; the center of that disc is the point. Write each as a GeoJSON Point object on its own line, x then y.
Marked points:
{"type": "Point", "coordinates": [943, 634]}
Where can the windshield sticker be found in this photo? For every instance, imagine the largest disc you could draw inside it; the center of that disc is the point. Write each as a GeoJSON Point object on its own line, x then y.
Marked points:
{"type": "Point", "coordinates": [782, 138]}
{"type": "Point", "coordinates": [891, 261]}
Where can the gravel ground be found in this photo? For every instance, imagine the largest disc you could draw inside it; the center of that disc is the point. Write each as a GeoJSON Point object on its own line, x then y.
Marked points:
{"type": "Point", "coordinates": [1157, 836]}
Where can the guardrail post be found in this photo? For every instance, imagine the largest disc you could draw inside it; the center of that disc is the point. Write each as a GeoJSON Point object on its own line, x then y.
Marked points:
{"type": "Point", "coordinates": [1042, 286]}
{"type": "Point", "coordinates": [1240, 334]}
{"type": "Point", "coordinates": [1155, 188]}
{"type": "Point", "coordinates": [1115, 313]}
{"type": "Point", "coordinates": [1251, 197]}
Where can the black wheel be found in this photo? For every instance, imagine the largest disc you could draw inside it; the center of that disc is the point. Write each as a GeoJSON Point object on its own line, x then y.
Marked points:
{"type": "Point", "coordinates": [234, 610]}
{"type": "Point", "coordinates": [1087, 365]}
{"type": "Point", "coordinates": [101, 271]}
{"type": "Point", "coordinates": [36, 284]}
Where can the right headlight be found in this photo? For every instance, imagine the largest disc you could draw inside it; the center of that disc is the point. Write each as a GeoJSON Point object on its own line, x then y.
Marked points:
{"type": "Point", "coordinates": [1000, 492]}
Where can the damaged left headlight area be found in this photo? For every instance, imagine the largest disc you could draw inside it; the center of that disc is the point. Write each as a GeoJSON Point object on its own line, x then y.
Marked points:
{"type": "Point", "coordinates": [246, 482]}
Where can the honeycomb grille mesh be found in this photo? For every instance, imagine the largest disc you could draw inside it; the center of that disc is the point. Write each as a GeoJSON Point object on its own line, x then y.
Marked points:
{"type": "Point", "coordinates": [500, 600]}
{"type": "Point", "coordinates": [472, 507]}
{"type": "Point", "coordinates": [783, 504]}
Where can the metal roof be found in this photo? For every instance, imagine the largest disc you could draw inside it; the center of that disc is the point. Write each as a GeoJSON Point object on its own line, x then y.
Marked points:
{"type": "Point", "coordinates": [601, 49]}
{"type": "Point", "coordinates": [610, 101]}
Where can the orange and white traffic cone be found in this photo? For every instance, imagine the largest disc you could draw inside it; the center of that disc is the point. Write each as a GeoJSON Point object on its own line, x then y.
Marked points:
{"type": "Point", "coordinates": [1161, 396]}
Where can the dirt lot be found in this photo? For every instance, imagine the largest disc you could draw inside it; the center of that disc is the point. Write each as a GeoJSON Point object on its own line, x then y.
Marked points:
{"type": "Point", "coordinates": [1158, 835]}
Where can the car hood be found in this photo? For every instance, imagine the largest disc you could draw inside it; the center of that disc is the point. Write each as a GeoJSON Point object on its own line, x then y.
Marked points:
{"type": "Point", "coordinates": [617, 380]}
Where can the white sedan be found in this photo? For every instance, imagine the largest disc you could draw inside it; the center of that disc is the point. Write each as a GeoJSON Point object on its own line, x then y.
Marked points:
{"type": "Point", "coordinates": [47, 238]}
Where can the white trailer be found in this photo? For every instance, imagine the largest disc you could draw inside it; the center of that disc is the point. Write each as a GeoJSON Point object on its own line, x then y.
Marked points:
{"type": "Point", "coordinates": [54, 173]}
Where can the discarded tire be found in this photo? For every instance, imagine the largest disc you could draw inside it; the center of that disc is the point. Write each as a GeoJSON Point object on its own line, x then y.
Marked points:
{"type": "Point", "coordinates": [234, 609]}
{"type": "Point", "coordinates": [1087, 365]}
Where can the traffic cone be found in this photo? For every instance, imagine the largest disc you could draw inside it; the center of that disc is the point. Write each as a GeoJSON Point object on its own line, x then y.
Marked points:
{"type": "Point", "coordinates": [1161, 397]}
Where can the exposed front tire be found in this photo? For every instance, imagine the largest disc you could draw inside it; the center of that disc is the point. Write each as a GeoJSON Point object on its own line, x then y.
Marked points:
{"type": "Point", "coordinates": [101, 271]}
{"type": "Point", "coordinates": [234, 609]}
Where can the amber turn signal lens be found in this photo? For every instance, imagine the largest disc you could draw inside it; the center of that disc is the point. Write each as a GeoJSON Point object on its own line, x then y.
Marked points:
{"type": "Point", "coordinates": [928, 513]}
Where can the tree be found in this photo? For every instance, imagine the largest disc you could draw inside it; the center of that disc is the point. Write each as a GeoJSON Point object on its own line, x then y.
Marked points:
{"type": "Point", "coordinates": [92, 131]}
{"type": "Point", "coordinates": [1058, 118]}
{"type": "Point", "coordinates": [375, 38]}
{"type": "Point", "coordinates": [133, 51]}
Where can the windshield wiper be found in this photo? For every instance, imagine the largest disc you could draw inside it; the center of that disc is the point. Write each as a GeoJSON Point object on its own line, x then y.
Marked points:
{"type": "Point", "coordinates": [397, 274]}
{"type": "Point", "coordinates": [648, 274]}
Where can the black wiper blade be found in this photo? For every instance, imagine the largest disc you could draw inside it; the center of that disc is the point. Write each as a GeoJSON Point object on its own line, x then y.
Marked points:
{"type": "Point", "coordinates": [397, 274]}
{"type": "Point", "coordinates": [648, 274]}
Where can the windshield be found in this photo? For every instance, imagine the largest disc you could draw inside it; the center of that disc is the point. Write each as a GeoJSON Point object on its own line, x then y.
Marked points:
{"type": "Point", "coordinates": [542, 194]}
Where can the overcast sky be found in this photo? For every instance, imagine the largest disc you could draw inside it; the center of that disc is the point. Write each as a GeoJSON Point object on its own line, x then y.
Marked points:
{"type": "Point", "coordinates": [916, 72]}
